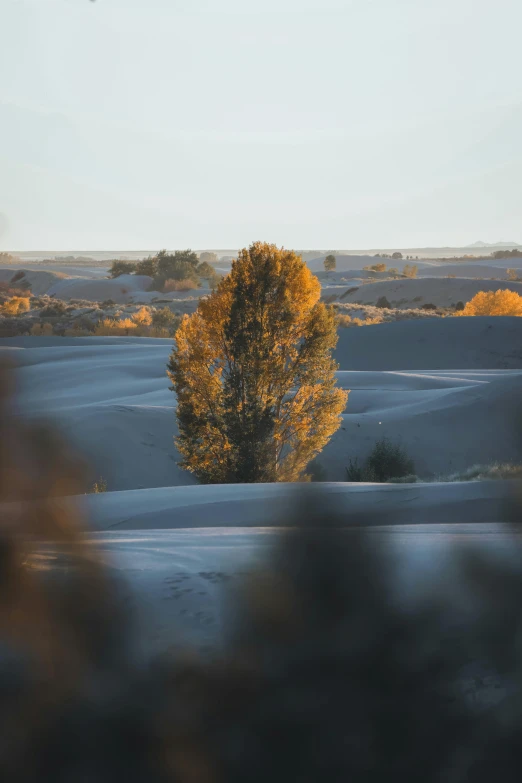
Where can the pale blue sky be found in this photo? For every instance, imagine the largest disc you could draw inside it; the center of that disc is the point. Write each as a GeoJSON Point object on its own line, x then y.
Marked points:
{"type": "Point", "coordinates": [212, 123]}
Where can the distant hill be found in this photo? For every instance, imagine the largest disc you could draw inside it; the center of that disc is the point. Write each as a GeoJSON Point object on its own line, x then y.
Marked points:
{"type": "Point", "coordinates": [494, 244]}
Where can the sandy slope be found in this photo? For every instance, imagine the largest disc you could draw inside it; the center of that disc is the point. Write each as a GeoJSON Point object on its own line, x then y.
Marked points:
{"type": "Point", "coordinates": [176, 580]}
{"type": "Point", "coordinates": [273, 505]}
{"type": "Point", "coordinates": [41, 281]}
{"type": "Point", "coordinates": [442, 292]}
{"type": "Point", "coordinates": [438, 344]}
{"type": "Point", "coordinates": [111, 397]}
{"type": "Point", "coordinates": [121, 289]}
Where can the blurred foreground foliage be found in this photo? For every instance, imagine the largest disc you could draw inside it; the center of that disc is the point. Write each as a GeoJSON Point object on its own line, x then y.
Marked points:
{"type": "Point", "coordinates": [324, 675]}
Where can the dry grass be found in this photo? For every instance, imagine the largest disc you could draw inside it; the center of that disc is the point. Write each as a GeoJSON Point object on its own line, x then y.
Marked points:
{"type": "Point", "coordinates": [179, 285]}
{"type": "Point", "coordinates": [365, 315]}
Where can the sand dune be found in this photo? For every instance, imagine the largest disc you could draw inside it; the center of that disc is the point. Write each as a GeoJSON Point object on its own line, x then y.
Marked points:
{"type": "Point", "coordinates": [273, 505]}
{"type": "Point", "coordinates": [121, 289]}
{"type": "Point", "coordinates": [438, 344]}
{"type": "Point", "coordinates": [176, 580]}
{"type": "Point", "coordinates": [474, 271]}
{"type": "Point", "coordinates": [111, 397]}
{"type": "Point", "coordinates": [442, 292]}
{"type": "Point", "coordinates": [40, 281]}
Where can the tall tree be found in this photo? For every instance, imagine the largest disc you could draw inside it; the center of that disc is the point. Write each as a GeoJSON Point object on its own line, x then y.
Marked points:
{"type": "Point", "coordinates": [330, 263]}
{"type": "Point", "coordinates": [254, 375]}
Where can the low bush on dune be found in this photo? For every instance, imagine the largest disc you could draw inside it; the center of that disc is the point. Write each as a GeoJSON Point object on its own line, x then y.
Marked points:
{"type": "Point", "coordinates": [55, 309]}
{"type": "Point", "coordinates": [187, 284]}
{"type": "Point", "coordinates": [365, 315]}
{"type": "Point", "coordinates": [346, 321]}
{"type": "Point", "coordinates": [16, 305]}
{"type": "Point", "coordinates": [501, 302]}
{"type": "Point", "coordinates": [386, 461]}
{"type": "Point", "coordinates": [141, 324]}
{"type": "Point", "coordinates": [99, 487]}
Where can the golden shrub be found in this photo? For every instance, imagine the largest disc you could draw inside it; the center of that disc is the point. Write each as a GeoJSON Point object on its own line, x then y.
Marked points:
{"type": "Point", "coordinates": [501, 302]}
{"type": "Point", "coordinates": [16, 305]}
{"type": "Point", "coordinates": [143, 317]}
{"type": "Point", "coordinates": [109, 327]}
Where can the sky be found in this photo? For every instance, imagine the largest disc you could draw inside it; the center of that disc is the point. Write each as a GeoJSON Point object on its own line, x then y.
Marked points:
{"type": "Point", "coordinates": [141, 124]}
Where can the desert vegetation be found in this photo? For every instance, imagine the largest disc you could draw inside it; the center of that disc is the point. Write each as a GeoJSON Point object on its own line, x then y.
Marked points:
{"type": "Point", "coordinates": [178, 271]}
{"type": "Point", "coordinates": [253, 373]}
{"type": "Point", "coordinates": [23, 314]}
{"type": "Point", "coordinates": [385, 462]}
{"type": "Point", "coordinates": [349, 314]}
{"type": "Point", "coordinates": [501, 302]}
{"type": "Point", "coordinates": [330, 263]}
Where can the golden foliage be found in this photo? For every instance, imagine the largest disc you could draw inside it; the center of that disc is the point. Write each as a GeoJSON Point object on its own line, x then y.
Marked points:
{"type": "Point", "coordinates": [346, 321]}
{"type": "Point", "coordinates": [253, 372]}
{"type": "Point", "coordinates": [16, 306]}
{"type": "Point", "coordinates": [501, 302]}
{"type": "Point", "coordinates": [110, 327]}
{"type": "Point", "coordinates": [140, 325]}
{"type": "Point", "coordinates": [143, 317]}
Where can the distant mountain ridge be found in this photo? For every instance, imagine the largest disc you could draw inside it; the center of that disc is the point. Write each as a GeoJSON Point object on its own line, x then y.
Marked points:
{"type": "Point", "coordinates": [494, 244]}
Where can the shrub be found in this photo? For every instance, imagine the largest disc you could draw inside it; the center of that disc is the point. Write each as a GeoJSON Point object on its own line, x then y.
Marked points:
{"type": "Point", "coordinates": [188, 284]}
{"type": "Point", "coordinates": [397, 256]}
{"type": "Point", "coordinates": [54, 309]}
{"type": "Point", "coordinates": [143, 317]}
{"type": "Point", "coordinates": [16, 306]}
{"type": "Point", "coordinates": [383, 302]}
{"type": "Point", "coordinates": [459, 306]}
{"type": "Point", "coordinates": [354, 471]}
{"type": "Point", "coordinates": [110, 327]}
{"type": "Point", "coordinates": [148, 266]}
{"type": "Point", "coordinates": [99, 486]}
{"type": "Point", "coordinates": [410, 270]}
{"type": "Point", "coordinates": [165, 319]}
{"type": "Point", "coordinates": [122, 268]}
{"type": "Point", "coordinates": [42, 330]}
{"type": "Point", "coordinates": [375, 268]}
{"type": "Point", "coordinates": [85, 324]}
{"type": "Point", "coordinates": [386, 461]}
{"type": "Point", "coordinates": [428, 306]}
{"type": "Point", "coordinates": [512, 274]}
{"type": "Point", "coordinates": [501, 302]}
{"type": "Point", "coordinates": [345, 321]}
